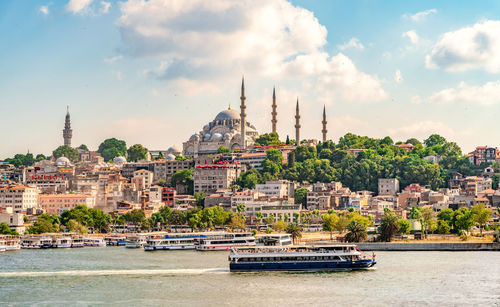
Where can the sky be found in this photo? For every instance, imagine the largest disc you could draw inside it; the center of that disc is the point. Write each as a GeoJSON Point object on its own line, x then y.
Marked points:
{"type": "Point", "coordinates": [155, 72]}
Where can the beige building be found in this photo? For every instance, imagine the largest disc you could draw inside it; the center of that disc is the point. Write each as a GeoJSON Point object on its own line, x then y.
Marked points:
{"type": "Point", "coordinates": [388, 186]}
{"type": "Point", "coordinates": [58, 203]}
{"type": "Point", "coordinates": [208, 178]}
{"type": "Point", "coordinates": [146, 175]}
{"type": "Point", "coordinates": [18, 197]}
{"type": "Point", "coordinates": [164, 169]}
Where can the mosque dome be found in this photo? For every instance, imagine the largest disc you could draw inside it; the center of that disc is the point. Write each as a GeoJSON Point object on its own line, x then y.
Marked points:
{"type": "Point", "coordinates": [207, 137]}
{"type": "Point", "coordinates": [173, 149]}
{"type": "Point", "coordinates": [62, 161]}
{"type": "Point", "coordinates": [216, 136]}
{"type": "Point", "coordinates": [170, 157]}
{"type": "Point", "coordinates": [119, 160]}
{"type": "Point", "coordinates": [228, 114]}
{"type": "Point", "coordinates": [194, 137]}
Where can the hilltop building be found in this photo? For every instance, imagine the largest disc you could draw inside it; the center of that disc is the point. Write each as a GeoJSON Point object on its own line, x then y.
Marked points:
{"type": "Point", "coordinates": [67, 132]}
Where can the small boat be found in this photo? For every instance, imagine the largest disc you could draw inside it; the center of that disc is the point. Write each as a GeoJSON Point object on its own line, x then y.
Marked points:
{"type": "Point", "coordinates": [279, 239]}
{"type": "Point", "coordinates": [94, 242]}
{"type": "Point", "coordinates": [300, 258]}
{"type": "Point", "coordinates": [62, 242]}
{"type": "Point", "coordinates": [135, 241]}
{"type": "Point", "coordinates": [115, 240]}
{"type": "Point", "coordinates": [226, 241]}
{"type": "Point", "coordinates": [77, 242]}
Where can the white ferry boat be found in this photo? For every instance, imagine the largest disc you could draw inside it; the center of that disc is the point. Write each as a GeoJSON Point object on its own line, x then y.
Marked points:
{"type": "Point", "coordinates": [77, 242]}
{"type": "Point", "coordinates": [171, 243]}
{"type": "Point", "coordinates": [62, 242]}
{"type": "Point", "coordinates": [135, 241]}
{"type": "Point", "coordinates": [30, 242]}
{"type": "Point", "coordinates": [226, 241]}
{"type": "Point", "coordinates": [299, 258]}
{"type": "Point", "coordinates": [94, 242]}
{"type": "Point", "coordinates": [12, 244]}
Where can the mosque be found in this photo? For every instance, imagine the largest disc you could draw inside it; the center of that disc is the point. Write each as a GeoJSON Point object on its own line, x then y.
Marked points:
{"type": "Point", "coordinates": [226, 130]}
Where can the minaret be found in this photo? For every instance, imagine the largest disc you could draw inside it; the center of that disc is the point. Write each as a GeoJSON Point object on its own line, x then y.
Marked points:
{"type": "Point", "coordinates": [243, 115]}
{"type": "Point", "coordinates": [67, 132]}
{"type": "Point", "coordinates": [297, 124]}
{"type": "Point", "coordinates": [274, 113]}
{"type": "Point", "coordinates": [324, 122]}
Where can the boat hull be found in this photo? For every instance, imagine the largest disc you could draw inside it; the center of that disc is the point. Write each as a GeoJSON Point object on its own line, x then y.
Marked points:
{"type": "Point", "coordinates": [168, 247]}
{"type": "Point", "coordinates": [302, 266]}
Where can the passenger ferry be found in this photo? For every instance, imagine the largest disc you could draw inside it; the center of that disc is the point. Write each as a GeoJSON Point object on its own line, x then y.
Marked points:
{"type": "Point", "coordinates": [12, 244]}
{"type": "Point", "coordinates": [114, 240]}
{"type": "Point", "coordinates": [31, 242]}
{"type": "Point", "coordinates": [77, 242]}
{"type": "Point", "coordinates": [94, 242]}
{"type": "Point", "coordinates": [226, 241]}
{"type": "Point", "coordinates": [135, 241]}
{"type": "Point", "coordinates": [3, 245]}
{"type": "Point", "coordinates": [299, 258]}
{"type": "Point", "coordinates": [62, 242]}
{"type": "Point", "coordinates": [46, 242]}
{"type": "Point", "coordinates": [171, 243]}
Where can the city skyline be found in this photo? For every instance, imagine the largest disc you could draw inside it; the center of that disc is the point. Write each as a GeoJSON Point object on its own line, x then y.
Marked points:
{"type": "Point", "coordinates": [123, 72]}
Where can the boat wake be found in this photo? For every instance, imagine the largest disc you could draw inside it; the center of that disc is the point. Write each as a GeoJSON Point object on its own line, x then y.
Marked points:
{"type": "Point", "coordinates": [116, 272]}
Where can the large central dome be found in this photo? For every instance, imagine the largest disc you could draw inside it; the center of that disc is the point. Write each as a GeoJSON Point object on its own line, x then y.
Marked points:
{"type": "Point", "coordinates": [228, 114]}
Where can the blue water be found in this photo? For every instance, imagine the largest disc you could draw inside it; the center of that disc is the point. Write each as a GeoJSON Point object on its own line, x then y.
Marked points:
{"type": "Point", "coordinates": [132, 277]}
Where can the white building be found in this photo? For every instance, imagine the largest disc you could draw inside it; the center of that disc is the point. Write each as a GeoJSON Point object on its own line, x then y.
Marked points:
{"type": "Point", "coordinates": [275, 189]}
{"type": "Point", "coordinates": [209, 178]}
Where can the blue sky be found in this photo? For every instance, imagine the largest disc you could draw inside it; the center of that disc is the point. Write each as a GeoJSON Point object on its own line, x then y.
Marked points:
{"type": "Point", "coordinates": [154, 72]}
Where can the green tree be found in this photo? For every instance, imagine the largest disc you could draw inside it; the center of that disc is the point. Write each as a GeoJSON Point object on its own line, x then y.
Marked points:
{"type": "Point", "coordinates": [223, 149]}
{"type": "Point", "coordinates": [83, 147]}
{"type": "Point", "coordinates": [112, 148]}
{"type": "Point", "coordinates": [404, 226]}
{"type": "Point", "coordinates": [185, 178]}
{"type": "Point", "coordinates": [267, 139]}
{"type": "Point", "coordinates": [75, 226]}
{"type": "Point", "coordinates": [237, 222]}
{"type": "Point", "coordinates": [295, 230]}
{"type": "Point", "coordinates": [176, 218]}
{"type": "Point", "coordinates": [200, 198]}
{"type": "Point", "coordinates": [269, 220]}
{"type": "Point", "coordinates": [356, 232]}
{"type": "Point", "coordinates": [5, 230]}
{"type": "Point", "coordinates": [45, 223]}
{"type": "Point", "coordinates": [249, 179]}
{"type": "Point", "coordinates": [330, 223]}
{"type": "Point", "coordinates": [136, 152]}
{"type": "Point", "coordinates": [342, 223]}
{"type": "Point", "coordinates": [427, 221]}
{"type": "Point", "coordinates": [280, 225]}
{"type": "Point", "coordinates": [446, 215]}
{"type": "Point", "coordinates": [389, 226]}
{"type": "Point", "coordinates": [300, 197]}
{"type": "Point", "coordinates": [258, 217]}
{"type": "Point", "coordinates": [66, 151]}
{"type": "Point", "coordinates": [464, 219]}
{"type": "Point", "coordinates": [443, 227]}
{"type": "Point", "coordinates": [481, 216]}
{"type": "Point", "coordinates": [434, 139]}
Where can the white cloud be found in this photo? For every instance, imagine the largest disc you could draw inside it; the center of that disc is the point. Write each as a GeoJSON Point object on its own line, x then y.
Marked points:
{"type": "Point", "coordinates": [118, 75]}
{"type": "Point", "coordinates": [412, 35]}
{"type": "Point", "coordinates": [475, 47]}
{"type": "Point", "coordinates": [202, 41]}
{"type": "Point", "coordinates": [398, 77]}
{"type": "Point", "coordinates": [44, 9]}
{"type": "Point", "coordinates": [420, 15]}
{"type": "Point", "coordinates": [485, 95]}
{"type": "Point", "coordinates": [105, 6]}
{"type": "Point", "coordinates": [352, 43]}
{"type": "Point", "coordinates": [78, 6]}
{"type": "Point", "coordinates": [113, 59]}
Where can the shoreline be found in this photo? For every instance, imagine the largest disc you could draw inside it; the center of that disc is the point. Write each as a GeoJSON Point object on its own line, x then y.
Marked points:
{"type": "Point", "coordinates": [456, 247]}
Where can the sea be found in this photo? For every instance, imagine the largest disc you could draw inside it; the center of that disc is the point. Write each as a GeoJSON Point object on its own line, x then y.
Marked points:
{"type": "Point", "coordinates": [116, 276]}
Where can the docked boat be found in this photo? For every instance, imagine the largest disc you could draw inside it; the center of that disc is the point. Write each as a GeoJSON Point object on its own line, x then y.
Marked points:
{"type": "Point", "coordinates": [171, 243]}
{"type": "Point", "coordinates": [77, 242]}
{"type": "Point", "coordinates": [31, 242]}
{"type": "Point", "coordinates": [135, 241]}
{"type": "Point", "coordinates": [3, 245]}
{"type": "Point", "coordinates": [12, 244]}
{"type": "Point", "coordinates": [226, 241]}
{"type": "Point", "coordinates": [94, 242]}
{"type": "Point", "coordinates": [300, 258]}
{"type": "Point", "coordinates": [114, 240]}
{"type": "Point", "coordinates": [46, 242]}
{"type": "Point", "coordinates": [62, 242]}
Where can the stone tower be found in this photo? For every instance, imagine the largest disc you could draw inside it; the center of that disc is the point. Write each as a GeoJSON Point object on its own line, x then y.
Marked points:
{"type": "Point", "coordinates": [67, 132]}
{"type": "Point", "coordinates": [324, 122]}
{"type": "Point", "coordinates": [274, 113]}
{"type": "Point", "coordinates": [297, 124]}
{"type": "Point", "coordinates": [243, 115]}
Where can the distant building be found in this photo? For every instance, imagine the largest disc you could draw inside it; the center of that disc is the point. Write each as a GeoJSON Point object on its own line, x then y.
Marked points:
{"type": "Point", "coordinates": [484, 154]}
{"type": "Point", "coordinates": [18, 197]}
{"type": "Point", "coordinates": [388, 186]}
{"type": "Point", "coordinates": [168, 196]}
{"type": "Point", "coordinates": [58, 203]}
{"type": "Point", "coordinates": [208, 178]}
